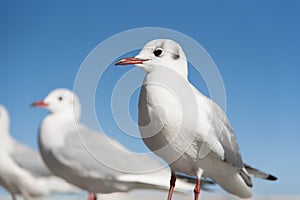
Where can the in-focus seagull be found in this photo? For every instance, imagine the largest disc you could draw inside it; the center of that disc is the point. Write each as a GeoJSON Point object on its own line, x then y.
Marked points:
{"type": "Point", "coordinates": [90, 159]}
{"type": "Point", "coordinates": [22, 171]}
{"type": "Point", "coordinates": [183, 126]}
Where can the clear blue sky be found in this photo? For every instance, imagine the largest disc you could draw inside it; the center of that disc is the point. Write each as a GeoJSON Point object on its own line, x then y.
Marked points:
{"type": "Point", "coordinates": [255, 44]}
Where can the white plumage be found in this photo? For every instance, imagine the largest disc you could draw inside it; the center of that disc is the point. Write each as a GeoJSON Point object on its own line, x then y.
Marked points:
{"type": "Point", "coordinates": [183, 126]}
{"type": "Point", "coordinates": [22, 170]}
{"type": "Point", "coordinates": [90, 159]}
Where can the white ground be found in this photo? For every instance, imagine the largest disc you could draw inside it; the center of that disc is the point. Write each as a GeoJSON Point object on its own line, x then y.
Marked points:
{"type": "Point", "coordinates": [149, 195]}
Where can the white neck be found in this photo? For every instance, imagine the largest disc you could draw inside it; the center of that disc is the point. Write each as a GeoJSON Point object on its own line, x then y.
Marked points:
{"type": "Point", "coordinates": [165, 76]}
{"type": "Point", "coordinates": [5, 138]}
{"type": "Point", "coordinates": [4, 132]}
{"type": "Point", "coordinates": [180, 68]}
{"type": "Point", "coordinates": [54, 129]}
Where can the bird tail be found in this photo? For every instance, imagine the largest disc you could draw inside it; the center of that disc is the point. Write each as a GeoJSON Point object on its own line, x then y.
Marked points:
{"type": "Point", "coordinates": [259, 174]}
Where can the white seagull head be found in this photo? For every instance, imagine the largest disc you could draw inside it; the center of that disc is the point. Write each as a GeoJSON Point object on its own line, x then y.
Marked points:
{"type": "Point", "coordinates": [157, 54]}
{"type": "Point", "coordinates": [61, 101]}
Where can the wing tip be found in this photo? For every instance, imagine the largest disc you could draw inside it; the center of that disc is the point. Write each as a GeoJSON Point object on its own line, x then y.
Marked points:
{"type": "Point", "coordinates": [260, 174]}
{"type": "Point", "coordinates": [243, 173]}
{"type": "Point", "coordinates": [271, 178]}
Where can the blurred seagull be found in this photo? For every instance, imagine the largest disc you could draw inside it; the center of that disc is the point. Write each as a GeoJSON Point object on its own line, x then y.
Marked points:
{"type": "Point", "coordinates": [90, 159]}
{"type": "Point", "coordinates": [184, 127]}
{"type": "Point", "coordinates": [22, 170]}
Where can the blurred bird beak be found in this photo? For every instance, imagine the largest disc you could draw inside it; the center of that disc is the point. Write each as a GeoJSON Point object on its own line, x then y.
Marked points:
{"type": "Point", "coordinates": [39, 104]}
{"type": "Point", "coordinates": [130, 61]}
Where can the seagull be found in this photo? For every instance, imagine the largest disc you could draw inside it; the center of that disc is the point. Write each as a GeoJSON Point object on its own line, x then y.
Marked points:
{"type": "Point", "coordinates": [90, 159]}
{"type": "Point", "coordinates": [22, 171]}
{"type": "Point", "coordinates": [183, 126]}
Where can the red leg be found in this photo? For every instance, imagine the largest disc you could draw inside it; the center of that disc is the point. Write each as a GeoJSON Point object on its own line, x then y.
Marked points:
{"type": "Point", "coordinates": [92, 196]}
{"type": "Point", "coordinates": [172, 185]}
{"type": "Point", "coordinates": [197, 189]}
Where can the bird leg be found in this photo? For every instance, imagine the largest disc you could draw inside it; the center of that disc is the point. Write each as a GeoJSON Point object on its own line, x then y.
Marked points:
{"type": "Point", "coordinates": [197, 189]}
{"type": "Point", "coordinates": [92, 196]}
{"type": "Point", "coordinates": [13, 196]}
{"type": "Point", "coordinates": [172, 185]}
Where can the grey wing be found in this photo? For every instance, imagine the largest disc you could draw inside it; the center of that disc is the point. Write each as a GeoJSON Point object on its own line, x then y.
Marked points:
{"type": "Point", "coordinates": [226, 137]}
{"type": "Point", "coordinates": [91, 153]}
{"type": "Point", "coordinates": [259, 174]}
{"type": "Point", "coordinates": [222, 130]}
{"type": "Point", "coordinates": [29, 159]}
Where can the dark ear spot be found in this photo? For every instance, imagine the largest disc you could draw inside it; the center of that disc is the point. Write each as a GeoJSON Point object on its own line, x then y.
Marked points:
{"type": "Point", "coordinates": [176, 56]}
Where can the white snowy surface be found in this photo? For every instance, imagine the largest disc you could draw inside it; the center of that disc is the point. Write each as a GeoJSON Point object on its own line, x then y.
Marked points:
{"type": "Point", "coordinates": [150, 195]}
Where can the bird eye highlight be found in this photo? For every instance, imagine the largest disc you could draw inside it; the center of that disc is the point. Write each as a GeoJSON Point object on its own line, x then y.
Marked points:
{"type": "Point", "coordinates": [158, 52]}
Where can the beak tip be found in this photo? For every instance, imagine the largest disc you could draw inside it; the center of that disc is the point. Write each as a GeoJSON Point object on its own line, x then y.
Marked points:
{"type": "Point", "coordinates": [39, 104]}
{"type": "Point", "coordinates": [119, 62]}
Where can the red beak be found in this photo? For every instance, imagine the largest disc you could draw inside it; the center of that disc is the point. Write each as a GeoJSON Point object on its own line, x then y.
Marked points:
{"type": "Point", "coordinates": [130, 61]}
{"type": "Point", "coordinates": [39, 104]}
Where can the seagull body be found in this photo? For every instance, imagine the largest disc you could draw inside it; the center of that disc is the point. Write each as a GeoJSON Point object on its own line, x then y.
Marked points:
{"type": "Point", "coordinates": [22, 170]}
{"type": "Point", "coordinates": [90, 159]}
{"type": "Point", "coordinates": [183, 126]}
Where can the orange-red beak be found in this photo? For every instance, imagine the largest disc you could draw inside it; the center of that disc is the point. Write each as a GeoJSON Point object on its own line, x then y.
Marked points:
{"type": "Point", "coordinates": [39, 104]}
{"type": "Point", "coordinates": [130, 61]}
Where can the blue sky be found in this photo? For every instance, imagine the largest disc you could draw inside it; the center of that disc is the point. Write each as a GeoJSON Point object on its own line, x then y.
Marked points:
{"type": "Point", "coordinates": [254, 44]}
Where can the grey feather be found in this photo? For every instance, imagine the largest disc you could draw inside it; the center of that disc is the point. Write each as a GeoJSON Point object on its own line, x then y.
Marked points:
{"type": "Point", "coordinates": [259, 174]}
{"type": "Point", "coordinates": [27, 158]}
{"type": "Point", "coordinates": [222, 129]}
{"type": "Point", "coordinates": [90, 156]}
{"type": "Point", "coordinates": [244, 174]}
{"type": "Point", "coordinates": [97, 150]}
{"type": "Point", "coordinates": [227, 137]}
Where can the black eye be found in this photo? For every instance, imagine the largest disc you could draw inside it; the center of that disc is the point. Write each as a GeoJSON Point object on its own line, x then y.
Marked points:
{"type": "Point", "coordinates": [60, 98]}
{"type": "Point", "coordinates": [158, 52]}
